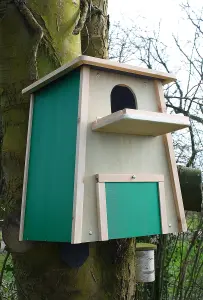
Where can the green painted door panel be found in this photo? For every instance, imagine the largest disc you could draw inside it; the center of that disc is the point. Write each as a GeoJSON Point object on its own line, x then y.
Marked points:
{"type": "Point", "coordinates": [132, 209]}
{"type": "Point", "coordinates": [48, 214]}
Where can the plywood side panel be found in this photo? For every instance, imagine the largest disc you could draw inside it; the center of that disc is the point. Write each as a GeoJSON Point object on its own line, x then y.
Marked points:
{"type": "Point", "coordinates": [102, 213]}
{"type": "Point", "coordinates": [48, 215]}
{"type": "Point", "coordinates": [26, 167]}
{"type": "Point", "coordinates": [105, 81]}
{"type": "Point", "coordinates": [109, 153]}
{"type": "Point", "coordinates": [80, 156]}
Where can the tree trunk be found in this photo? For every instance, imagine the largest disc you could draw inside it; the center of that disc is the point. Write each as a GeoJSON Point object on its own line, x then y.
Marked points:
{"type": "Point", "coordinates": [35, 38]}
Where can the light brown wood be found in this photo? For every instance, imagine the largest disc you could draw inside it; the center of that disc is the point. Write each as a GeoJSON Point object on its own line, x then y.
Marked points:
{"type": "Point", "coordinates": [121, 153]}
{"type": "Point", "coordinates": [171, 162]}
{"type": "Point", "coordinates": [26, 167]}
{"type": "Point", "coordinates": [163, 212]}
{"type": "Point", "coordinates": [102, 64]}
{"type": "Point", "coordinates": [130, 177]}
{"type": "Point", "coordinates": [102, 212]}
{"type": "Point", "coordinates": [80, 156]}
{"type": "Point", "coordinates": [139, 122]}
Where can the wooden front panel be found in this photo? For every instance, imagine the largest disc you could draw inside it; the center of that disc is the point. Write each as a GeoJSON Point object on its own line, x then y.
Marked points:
{"type": "Point", "coordinates": [50, 188]}
{"type": "Point", "coordinates": [108, 153]}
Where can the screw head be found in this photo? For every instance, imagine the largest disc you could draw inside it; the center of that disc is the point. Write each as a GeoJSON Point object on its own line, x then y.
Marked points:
{"type": "Point", "coordinates": [90, 232]}
{"type": "Point", "coordinates": [169, 225]}
{"type": "Point", "coordinates": [133, 176]}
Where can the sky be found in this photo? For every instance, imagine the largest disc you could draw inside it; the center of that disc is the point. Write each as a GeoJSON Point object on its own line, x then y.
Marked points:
{"type": "Point", "coordinates": [148, 13]}
{"type": "Point", "coordinates": [151, 10]}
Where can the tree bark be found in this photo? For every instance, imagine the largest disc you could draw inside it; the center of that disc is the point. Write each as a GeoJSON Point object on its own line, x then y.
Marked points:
{"type": "Point", "coordinates": [35, 38]}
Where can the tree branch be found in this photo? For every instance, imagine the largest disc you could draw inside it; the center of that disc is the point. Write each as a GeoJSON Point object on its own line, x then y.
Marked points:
{"type": "Point", "coordinates": [38, 34]}
{"type": "Point", "coordinates": [84, 8]}
{"type": "Point", "coordinates": [185, 113]}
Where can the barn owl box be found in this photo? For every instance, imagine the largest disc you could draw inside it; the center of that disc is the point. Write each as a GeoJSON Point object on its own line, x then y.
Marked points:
{"type": "Point", "coordinates": [100, 162]}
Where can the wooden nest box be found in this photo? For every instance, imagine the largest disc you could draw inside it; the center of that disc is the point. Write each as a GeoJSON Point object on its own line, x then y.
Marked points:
{"type": "Point", "coordinates": [100, 162]}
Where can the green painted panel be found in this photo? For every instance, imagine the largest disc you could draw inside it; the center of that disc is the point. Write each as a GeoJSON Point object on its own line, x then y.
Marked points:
{"type": "Point", "coordinates": [48, 215]}
{"type": "Point", "coordinates": [132, 209]}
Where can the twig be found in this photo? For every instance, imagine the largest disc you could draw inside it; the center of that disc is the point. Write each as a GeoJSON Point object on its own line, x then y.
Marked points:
{"type": "Point", "coordinates": [194, 152]}
{"type": "Point", "coordinates": [93, 275]}
{"type": "Point", "coordinates": [84, 8]}
{"type": "Point", "coordinates": [38, 34]}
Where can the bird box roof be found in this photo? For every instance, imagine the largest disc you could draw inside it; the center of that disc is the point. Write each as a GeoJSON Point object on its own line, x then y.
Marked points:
{"type": "Point", "coordinates": [102, 64]}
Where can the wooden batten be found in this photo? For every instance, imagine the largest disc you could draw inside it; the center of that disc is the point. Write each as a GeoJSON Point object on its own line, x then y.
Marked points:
{"type": "Point", "coordinates": [163, 212]}
{"type": "Point", "coordinates": [80, 156]}
{"type": "Point", "coordinates": [102, 212]}
{"type": "Point", "coordinates": [27, 156]}
{"type": "Point", "coordinates": [171, 162]}
{"type": "Point", "coordinates": [129, 177]}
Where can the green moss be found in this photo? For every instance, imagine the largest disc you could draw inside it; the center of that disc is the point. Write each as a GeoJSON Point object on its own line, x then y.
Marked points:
{"type": "Point", "coordinates": [59, 19]}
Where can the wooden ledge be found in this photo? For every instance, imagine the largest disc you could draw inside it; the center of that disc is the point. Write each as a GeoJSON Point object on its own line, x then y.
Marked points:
{"type": "Point", "coordinates": [139, 122]}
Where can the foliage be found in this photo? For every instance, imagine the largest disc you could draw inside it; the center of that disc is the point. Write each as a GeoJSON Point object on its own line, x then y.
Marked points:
{"type": "Point", "coordinates": [8, 287]}
{"type": "Point", "coordinates": [179, 263]}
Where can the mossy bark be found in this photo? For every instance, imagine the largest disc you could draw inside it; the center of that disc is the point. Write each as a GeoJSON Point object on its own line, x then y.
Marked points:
{"type": "Point", "coordinates": [36, 38]}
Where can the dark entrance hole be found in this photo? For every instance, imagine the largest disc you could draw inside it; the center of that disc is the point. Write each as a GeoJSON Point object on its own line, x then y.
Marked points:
{"type": "Point", "coordinates": [122, 97]}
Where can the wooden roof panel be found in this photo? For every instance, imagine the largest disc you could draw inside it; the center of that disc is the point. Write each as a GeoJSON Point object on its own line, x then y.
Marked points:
{"type": "Point", "coordinates": [104, 64]}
